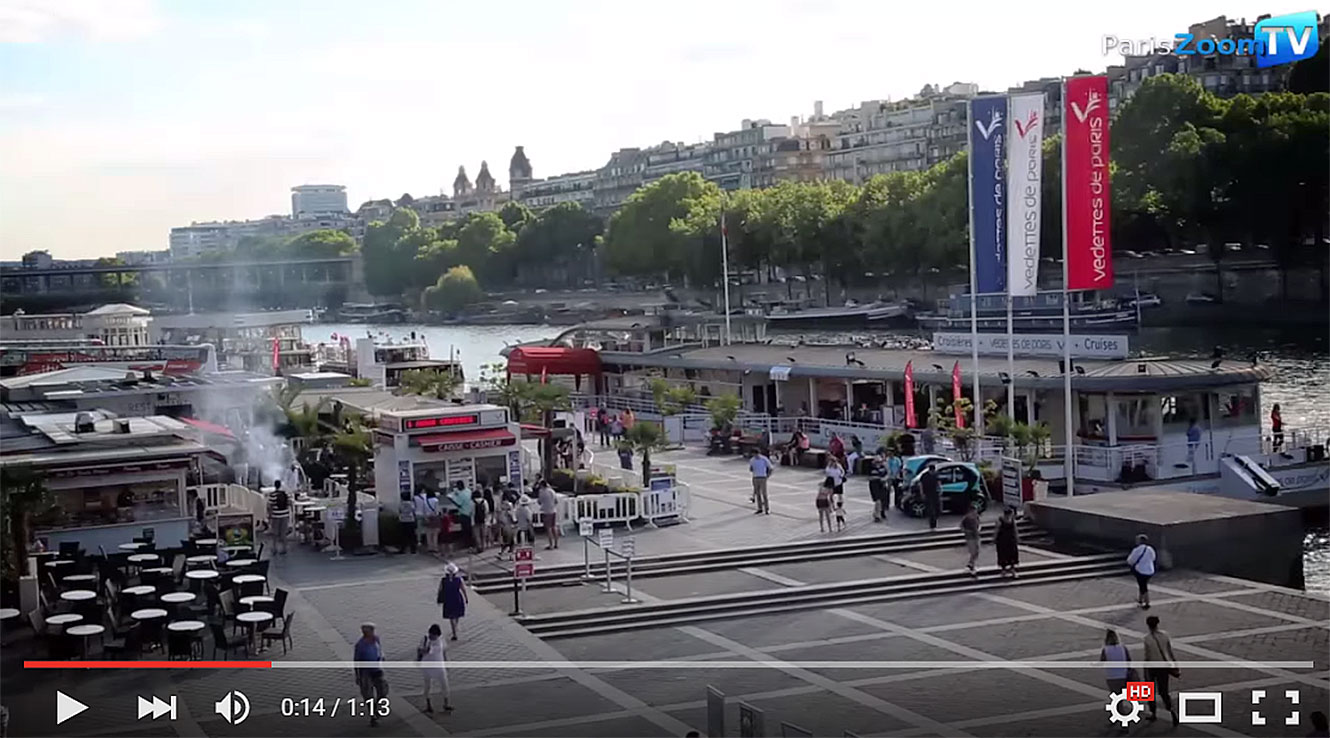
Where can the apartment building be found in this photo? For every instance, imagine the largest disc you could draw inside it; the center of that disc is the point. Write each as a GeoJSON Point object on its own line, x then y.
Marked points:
{"type": "Point", "coordinates": [910, 135]}
{"type": "Point", "coordinates": [197, 239]}
{"type": "Point", "coordinates": [672, 158]}
{"type": "Point", "coordinates": [318, 200]}
{"type": "Point", "coordinates": [578, 187]}
{"type": "Point", "coordinates": [732, 158]}
{"type": "Point", "coordinates": [620, 177]}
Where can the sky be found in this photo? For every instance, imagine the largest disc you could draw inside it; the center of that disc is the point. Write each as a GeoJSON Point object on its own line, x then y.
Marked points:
{"type": "Point", "coordinates": [120, 119]}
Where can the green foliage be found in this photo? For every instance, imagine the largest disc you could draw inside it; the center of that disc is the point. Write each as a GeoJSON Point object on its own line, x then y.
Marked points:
{"type": "Point", "coordinates": [514, 215]}
{"type": "Point", "coordinates": [665, 228]}
{"type": "Point", "coordinates": [118, 279]}
{"type": "Point", "coordinates": [485, 245]}
{"type": "Point", "coordinates": [455, 290]}
{"type": "Point", "coordinates": [644, 438]}
{"type": "Point", "coordinates": [724, 410]}
{"type": "Point", "coordinates": [558, 245]}
{"type": "Point", "coordinates": [439, 384]}
{"type": "Point", "coordinates": [22, 492]}
{"type": "Point", "coordinates": [359, 382]}
{"type": "Point", "coordinates": [324, 244]}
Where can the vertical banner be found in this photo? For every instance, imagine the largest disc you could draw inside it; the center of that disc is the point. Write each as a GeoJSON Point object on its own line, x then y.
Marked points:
{"type": "Point", "coordinates": [276, 356]}
{"type": "Point", "coordinates": [1085, 184]}
{"type": "Point", "coordinates": [909, 395]}
{"type": "Point", "coordinates": [988, 187]}
{"type": "Point", "coordinates": [1025, 169]}
{"type": "Point", "coordinates": [957, 394]}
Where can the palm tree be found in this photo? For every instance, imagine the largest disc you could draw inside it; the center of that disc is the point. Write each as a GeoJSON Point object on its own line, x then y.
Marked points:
{"type": "Point", "coordinates": [21, 491]}
{"type": "Point", "coordinates": [439, 384]}
{"type": "Point", "coordinates": [353, 447]}
{"type": "Point", "coordinates": [643, 438]}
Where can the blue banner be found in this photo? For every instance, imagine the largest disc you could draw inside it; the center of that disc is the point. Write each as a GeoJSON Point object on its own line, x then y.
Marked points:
{"type": "Point", "coordinates": [988, 192]}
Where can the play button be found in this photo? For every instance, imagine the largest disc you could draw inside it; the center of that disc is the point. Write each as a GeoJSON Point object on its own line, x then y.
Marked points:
{"type": "Point", "coordinates": [66, 707]}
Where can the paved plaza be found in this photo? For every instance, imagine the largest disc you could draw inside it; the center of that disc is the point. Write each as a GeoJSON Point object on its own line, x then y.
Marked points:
{"type": "Point", "coordinates": [1211, 618]}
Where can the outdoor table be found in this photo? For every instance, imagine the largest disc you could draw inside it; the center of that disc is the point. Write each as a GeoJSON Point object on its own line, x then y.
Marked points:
{"type": "Point", "coordinates": [237, 547]}
{"type": "Point", "coordinates": [237, 563]}
{"type": "Point", "coordinates": [59, 562]}
{"type": "Point", "coordinates": [84, 632]}
{"type": "Point", "coordinates": [143, 558]}
{"type": "Point", "coordinates": [201, 560]}
{"type": "Point", "coordinates": [8, 613]}
{"type": "Point", "coordinates": [249, 578]}
{"type": "Point", "coordinates": [139, 590]}
{"type": "Point", "coordinates": [177, 598]}
{"type": "Point", "coordinates": [205, 542]}
{"type": "Point", "coordinates": [75, 578]}
{"type": "Point", "coordinates": [131, 546]}
{"type": "Point", "coordinates": [252, 620]}
{"type": "Point", "coordinates": [253, 601]}
{"type": "Point", "coordinates": [186, 626]}
{"type": "Point", "coordinates": [159, 570]}
{"type": "Point", "coordinates": [148, 613]}
{"type": "Point", "coordinates": [78, 595]}
{"type": "Point", "coordinates": [201, 574]}
{"type": "Point", "coordinates": [64, 618]}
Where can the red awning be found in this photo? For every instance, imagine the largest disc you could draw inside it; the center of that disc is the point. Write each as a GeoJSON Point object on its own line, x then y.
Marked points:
{"type": "Point", "coordinates": [534, 360]}
{"type": "Point", "coordinates": [488, 438]}
{"type": "Point", "coordinates": [207, 427]}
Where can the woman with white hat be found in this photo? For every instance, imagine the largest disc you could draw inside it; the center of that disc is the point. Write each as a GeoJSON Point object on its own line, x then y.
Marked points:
{"type": "Point", "coordinates": [452, 595]}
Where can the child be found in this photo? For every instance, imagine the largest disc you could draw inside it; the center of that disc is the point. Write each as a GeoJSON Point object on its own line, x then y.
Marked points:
{"type": "Point", "coordinates": [840, 515]}
{"type": "Point", "coordinates": [823, 502]}
{"type": "Point", "coordinates": [507, 528]}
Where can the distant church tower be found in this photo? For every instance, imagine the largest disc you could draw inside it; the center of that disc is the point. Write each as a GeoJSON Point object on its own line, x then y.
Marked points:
{"type": "Point", "coordinates": [484, 180]}
{"type": "Point", "coordinates": [519, 172]}
{"type": "Point", "coordinates": [461, 185]}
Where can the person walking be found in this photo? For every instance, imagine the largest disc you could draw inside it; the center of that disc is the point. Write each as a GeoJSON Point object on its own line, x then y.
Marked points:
{"type": "Point", "coordinates": [432, 653]}
{"type": "Point", "coordinates": [1142, 563]}
{"type": "Point", "coordinates": [428, 510]}
{"type": "Point", "coordinates": [970, 529]}
{"type": "Point", "coordinates": [480, 515]}
{"type": "Point", "coordinates": [1159, 650]}
{"type": "Point", "coordinates": [1276, 429]}
{"type": "Point", "coordinates": [877, 490]}
{"type": "Point", "coordinates": [1193, 441]}
{"type": "Point", "coordinates": [856, 453]}
{"type": "Point", "coordinates": [1117, 664]}
{"type": "Point", "coordinates": [279, 515]}
{"type": "Point", "coordinates": [406, 518]}
{"type": "Point", "coordinates": [452, 595]}
{"type": "Point", "coordinates": [466, 510]}
{"type": "Point", "coordinates": [895, 470]}
{"type": "Point", "coordinates": [1007, 542]}
{"type": "Point", "coordinates": [825, 493]}
{"type": "Point", "coordinates": [836, 448]}
{"type": "Point", "coordinates": [369, 678]}
{"type": "Point", "coordinates": [603, 426]}
{"type": "Point", "coordinates": [761, 467]}
{"type": "Point", "coordinates": [549, 513]}
{"type": "Point", "coordinates": [507, 521]}
{"type": "Point", "coordinates": [629, 418]}
{"type": "Point", "coordinates": [928, 484]}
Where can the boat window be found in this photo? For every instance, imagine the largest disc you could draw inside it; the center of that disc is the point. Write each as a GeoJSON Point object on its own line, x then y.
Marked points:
{"type": "Point", "coordinates": [1180, 409]}
{"type": "Point", "coordinates": [1134, 420]}
{"type": "Point", "coordinates": [1237, 407]}
{"type": "Point", "coordinates": [1094, 416]}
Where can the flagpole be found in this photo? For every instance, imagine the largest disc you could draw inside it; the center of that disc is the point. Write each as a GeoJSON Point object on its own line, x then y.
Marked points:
{"type": "Point", "coordinates": [974, 278]}
{"type": "Point", "coordinates": [1069, 466]}
{"type": "Point", "coordinates": [725, 274]}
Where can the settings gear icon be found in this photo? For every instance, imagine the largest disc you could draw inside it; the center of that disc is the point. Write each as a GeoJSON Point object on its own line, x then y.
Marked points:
{"type": "Point", "coordinates": [1115, 715]}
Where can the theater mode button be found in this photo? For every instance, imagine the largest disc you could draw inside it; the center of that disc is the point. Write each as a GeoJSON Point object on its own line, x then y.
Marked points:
{"type": "Point", "coordinates": [66, 707]}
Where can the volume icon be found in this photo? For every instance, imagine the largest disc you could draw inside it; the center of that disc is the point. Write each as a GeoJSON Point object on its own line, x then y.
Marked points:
{"type": "Point", "coordinates": [234, 707]}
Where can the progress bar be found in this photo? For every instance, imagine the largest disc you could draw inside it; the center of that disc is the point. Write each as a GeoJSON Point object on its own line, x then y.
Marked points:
{"type": "Point", "coordinates": [664, 665]}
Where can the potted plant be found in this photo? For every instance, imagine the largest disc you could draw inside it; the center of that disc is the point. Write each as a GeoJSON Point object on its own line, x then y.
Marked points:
{"type": "Point", "coordinates": [643, 438]}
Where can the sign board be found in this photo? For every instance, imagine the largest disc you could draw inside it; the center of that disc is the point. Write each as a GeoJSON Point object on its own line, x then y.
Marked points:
{"type": "Point", "coordinates": [662, 483]}
{"type": "Point", "coordinates": [525, 553]}
{"type": "Point", "coordinates": [404, 478]}
{"type": "Point", "coordinates": [586, 529]}
{"type": "Point", "coordinates": [524, 570]}
{"type": "Point", "coordinates": [236, 530]}
{"type": "Point", "coordinates": [628, 547]}
{"type": "Point", "coordinates": [515, 468]}
{"type": "Point", "coordinates": [443, 446]}
{"type": "Point", "coordinates": [606, 538]}
{"type": "Point", "coordinates": [1012, 470]}
{"type": "Point", "coordinates": [752, 723]}
{"type": "Point", "coordinates": [1035, 344]}
{"type": "Point", "coordinates": [715, 711]}
{"type": "Point", "coordinates": [779, 373]}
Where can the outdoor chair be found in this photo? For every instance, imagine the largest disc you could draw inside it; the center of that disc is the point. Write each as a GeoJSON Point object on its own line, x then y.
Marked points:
{"type": "Point", "coordinates": [226, 645]}
{"type": "Point", "coordinates": [281, 633]}
{"type": "Point", "coordinates": [178, 567]}
{"type": "Point", "coordinates": [259, 554]}
{"type": "Point", "coordinates": [279, 602]}
{"type": "Point", "coordinates": [69, 549]}
{"type": "Point", "coordinates": [150, 632]}
{"type": "Point", "coordinates": [125, 644]}
{"type": "Point", "coordinates": [38, 622]}
{"type": "Point", "coordinates": [178, 645]}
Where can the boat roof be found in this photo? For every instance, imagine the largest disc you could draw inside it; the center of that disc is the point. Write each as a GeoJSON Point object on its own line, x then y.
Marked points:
{"type": "Point", "coordinates": [833, 361]}
{"type": "Point", "coordinates": [263, 319]}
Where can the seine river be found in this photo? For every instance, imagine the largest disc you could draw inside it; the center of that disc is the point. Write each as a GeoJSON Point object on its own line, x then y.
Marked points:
{"type": "Point", "coordinates": [1301, 362]}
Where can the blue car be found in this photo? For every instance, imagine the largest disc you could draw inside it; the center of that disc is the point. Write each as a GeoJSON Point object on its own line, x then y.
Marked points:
{"type": "Point", "coordinates": [960, 483]}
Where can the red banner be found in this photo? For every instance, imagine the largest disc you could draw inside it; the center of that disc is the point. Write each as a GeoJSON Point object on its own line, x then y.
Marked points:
{"type": "Point", "coordinates": [957, 394]}
{"type": "Point", "coordinates": [1085, 184]}
{"type": "Point", "coordinates": [909, 395]}
{"type": "Point", "coordinates": [276, 355]}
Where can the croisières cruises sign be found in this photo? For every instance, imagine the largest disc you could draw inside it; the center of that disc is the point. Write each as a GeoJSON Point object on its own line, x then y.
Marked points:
{"type": "Point", "coordinates": [1034, 344]}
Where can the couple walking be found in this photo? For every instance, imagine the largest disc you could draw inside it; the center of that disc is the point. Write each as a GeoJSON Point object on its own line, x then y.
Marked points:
{"type": "Point", "coordinates": [1158, 649]}
{"type": "Point", "coordinates": [1006, 540]}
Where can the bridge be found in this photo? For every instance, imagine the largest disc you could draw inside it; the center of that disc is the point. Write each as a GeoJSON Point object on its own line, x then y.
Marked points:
{"type": "Point", "coordinates": [344, 270]}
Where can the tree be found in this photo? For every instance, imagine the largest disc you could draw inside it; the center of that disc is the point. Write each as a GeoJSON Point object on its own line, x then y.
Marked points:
{"type": "Point", "coordinates": [321, 244]}
{"type": "Point", "coordinates": [456, 289]}
{"type": "Point", "coordinates": [515, 215]}
{"type": "Point", "coordinates": [502, 390]}
{"type": "Point", "coordinates": [388, 268]}
{"type": "Point", "coordinates": [644, 438]}
{"type": "Point", "coordinates": [558, 243]}
{"type": "Point", "coordinates": [434, 259]}
{"type": "Point", "coordinates": [542, 401]}
{"type": "Point", "coordinates": [439, 384]}
{"type": "Point", "coordinates": [353, 448]}
{"type": "Point", "coordinates": [22, 491]}
{"type": "Point", "coordinates": [662, 228]}
{"type": "Point", "coordinates": [485, 245]}
{"type": "Point", "coordinates": [117, 279]}
{"type": "Point", "coordinates": [724, 410]}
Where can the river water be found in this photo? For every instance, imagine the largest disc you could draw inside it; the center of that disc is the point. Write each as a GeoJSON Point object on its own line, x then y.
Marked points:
{"type": "Point", "coordinates": [1300, 359]}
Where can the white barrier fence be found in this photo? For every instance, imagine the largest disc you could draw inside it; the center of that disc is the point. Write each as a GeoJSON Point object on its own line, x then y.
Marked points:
{"type": "Point", "coordinates": [224, 498]}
